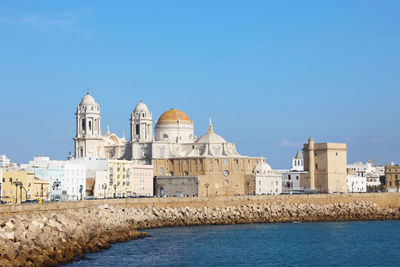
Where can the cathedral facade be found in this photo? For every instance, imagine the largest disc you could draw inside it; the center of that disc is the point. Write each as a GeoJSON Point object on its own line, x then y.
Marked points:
{"type": "Point", "coordinates": [170, 146]}
{"type": "Point", "coordinates": [173, 136]}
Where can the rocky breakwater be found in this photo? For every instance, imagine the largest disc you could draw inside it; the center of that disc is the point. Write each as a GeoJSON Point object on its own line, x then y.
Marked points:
{"type": "Point", "coordinates": [50, 238]}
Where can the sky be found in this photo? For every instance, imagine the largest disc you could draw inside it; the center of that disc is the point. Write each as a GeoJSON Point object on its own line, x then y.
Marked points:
{"type": "Point", "coordinates": [270, 74]}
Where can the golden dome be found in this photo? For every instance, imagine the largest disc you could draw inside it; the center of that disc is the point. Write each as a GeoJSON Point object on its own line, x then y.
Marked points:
{"type": "Point", "coordinates": [173, 116]}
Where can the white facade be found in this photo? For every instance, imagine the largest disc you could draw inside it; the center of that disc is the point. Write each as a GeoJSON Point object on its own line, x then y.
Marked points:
{"type": "Point", "coordinates": [356, 184]}
{"type": "Point", "coordinates": [291, 179]}
{"type": "Point", "coordinates": [4, 161]}
{"type": "Point", "coordinates": [173, 137]}
{"type": "Point", "coordinates": [367, 170]}
{"type": "Point", "coordinates": [298, 162]}
{"type": "Point", "coordinates": [69, 176]}
{"type": "Point", "coordinates": [267, 181]}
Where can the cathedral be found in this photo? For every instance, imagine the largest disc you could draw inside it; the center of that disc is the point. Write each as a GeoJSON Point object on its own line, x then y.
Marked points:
{"type": "Point", "coordinates": [173, 136]}
{"type": "Point", "coordinates": [171, 147]}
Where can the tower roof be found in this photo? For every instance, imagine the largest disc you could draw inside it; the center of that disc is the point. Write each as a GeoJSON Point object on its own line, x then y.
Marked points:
{"type": "Point", "coordinates": [299, 155]}
{"type": "Point", "coordinates": [141, 107]}
{"type": "Point", "coordinates": [88, 100]}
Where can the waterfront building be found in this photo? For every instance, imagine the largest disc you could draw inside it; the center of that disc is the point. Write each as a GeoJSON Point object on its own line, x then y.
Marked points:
{"type": "Point", "coordinates": [7, 165]}
{"type": "Point", "coordinates": [356, 183]}
{"type": "Point", "coordinates": [326, 166]}
{"type": "Point", "coordinates": [392, 177]}
{"type": "Point", "coordinates": [142, 180]}
{"type": "Point", "coordinates": [13, 182]}
{"type": "Point", "coordinates": [372, 173]}
{"type": "Point", "coordinates": [67, 179]}
{"type": "Point", "coordinates": [267, 181]}
{"type": "Point", "coordinates": [291, 179]}
{"type": "Point", "coordinates": [4, 161]}
{"type": "Point", "coordinates": [173, 149]}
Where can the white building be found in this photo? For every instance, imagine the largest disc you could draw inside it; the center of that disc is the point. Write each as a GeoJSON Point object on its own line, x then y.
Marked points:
{"type": "Point", "coordinates": [65, 177]}
{"type": "Point", "coordinates": [267, 181]}
{"type": "Point", "coordinates": [372, 173]}
{"type": "Point", "coordinates": [356, 184]}
{"type": "Point", "coordinates": [291, 179]}
{"type": "Point", "coordinates": [4, 161]}
{"type": "Point", "coordinates": [6, 165]}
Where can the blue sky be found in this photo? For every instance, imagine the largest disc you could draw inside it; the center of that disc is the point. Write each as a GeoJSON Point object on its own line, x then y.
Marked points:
{"type": "Point", "coordinates": [269, 73]}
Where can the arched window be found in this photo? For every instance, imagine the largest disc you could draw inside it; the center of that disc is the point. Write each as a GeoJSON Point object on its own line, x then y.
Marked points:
{"type": "Point", "coordinates": [83, 125]}
{"type": "Point", "coordinates": [137, 128]}
{"type": "Point", "coordinates": [90, 125]}
{"type": "Point", "coordinates": [165, 136]}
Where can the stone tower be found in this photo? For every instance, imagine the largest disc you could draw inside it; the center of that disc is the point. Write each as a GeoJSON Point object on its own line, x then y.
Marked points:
{"type": "Point", "coordinates": [88, 128]}
{"type": "Point", "coordinates": [141, 124]}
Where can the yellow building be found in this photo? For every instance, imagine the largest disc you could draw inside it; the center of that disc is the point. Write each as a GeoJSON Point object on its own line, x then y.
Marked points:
{"type": "Point", "coordinates": [392, 174]}
{"type": "Point", "coordinates": [12, 184]}
{"type": "Point", "coordinates": [326, 164]}
{"type": "Point", "coordinates": [120, 178]}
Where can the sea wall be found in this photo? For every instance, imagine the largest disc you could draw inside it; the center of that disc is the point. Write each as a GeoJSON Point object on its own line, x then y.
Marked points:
{"type": "Point", "coordinates": [54, 233]}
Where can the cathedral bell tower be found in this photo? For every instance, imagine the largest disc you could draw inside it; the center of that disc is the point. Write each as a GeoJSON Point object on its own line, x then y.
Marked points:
{"type": "Point", "coordinates": [141, 124]}
{"type": "Point", "coordinates": [88, 131]}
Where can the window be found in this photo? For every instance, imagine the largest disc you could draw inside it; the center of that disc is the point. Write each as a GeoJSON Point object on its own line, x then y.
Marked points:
{"type": "Point", "coordinates": [10, 180]}
{"type": "Point", "coordinates": [90, 125]}
{"type": "Point", "coordinates": [337, 154]}
{"type": "Point", "coordinates": [289, 177]}
{"type": "Point", "coordinates": [165, 136]}
{"type": "Point", "coordinates": [4, 180]}
{"type": "Point", "coordinates": [137, 128]}
{"type": "Point", "coordinates": [316, 166]}
{"type": "Point", "coordinates": [83, 125]}
{"type": "Point", "coordinates": [186, 173]}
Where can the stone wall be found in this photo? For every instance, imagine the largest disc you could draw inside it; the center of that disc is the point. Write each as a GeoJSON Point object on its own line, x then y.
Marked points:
{"type": "Point", "coordinates": [54, 233]}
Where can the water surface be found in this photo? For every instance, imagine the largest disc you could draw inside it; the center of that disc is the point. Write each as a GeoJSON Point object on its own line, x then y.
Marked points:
{"type": "Point", "coordinates": [305, 244]}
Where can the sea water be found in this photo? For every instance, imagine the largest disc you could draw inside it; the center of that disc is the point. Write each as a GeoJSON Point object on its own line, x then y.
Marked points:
{"type": "Point", "coordinates": [371, 243]}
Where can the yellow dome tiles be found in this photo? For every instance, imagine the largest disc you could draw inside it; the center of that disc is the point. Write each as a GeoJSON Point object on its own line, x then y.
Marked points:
{"type": "Point", "coordinates": [174, 115]}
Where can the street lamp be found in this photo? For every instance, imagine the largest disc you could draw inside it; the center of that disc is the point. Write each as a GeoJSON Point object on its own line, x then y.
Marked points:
{"type": "Point", "coordinates": [206, 189]}
{"type": "Point", "coordinates": [115, 190]}
{"type": "Point", "coordinates": [56, 184]}
{"type": "Point", "coordinates": [81, 190]}
{"type": "Point", "coordinates": [104, 186]}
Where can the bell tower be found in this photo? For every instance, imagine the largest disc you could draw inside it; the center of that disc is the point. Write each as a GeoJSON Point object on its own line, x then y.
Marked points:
{"type": "Point", "coordinates": [88, 128]}
{"type": "Point", "coordinates": [141, 124]}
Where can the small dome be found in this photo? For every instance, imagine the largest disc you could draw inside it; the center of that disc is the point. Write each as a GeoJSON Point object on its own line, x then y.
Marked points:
{"type": "Point", "coordinates": [141, 107]}
{"type": "Point", "coordinates": [173, 116]}
{"type": "Point", "coordinates": [88, 100]}
{"type": "Point", "coordinates": [262, 167]}
{"type": "Point", "coordinates": [210, 137]}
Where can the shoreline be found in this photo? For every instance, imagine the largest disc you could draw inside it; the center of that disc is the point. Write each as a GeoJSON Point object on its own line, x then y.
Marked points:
{"type": "Point", "coordinates": [58, 236]}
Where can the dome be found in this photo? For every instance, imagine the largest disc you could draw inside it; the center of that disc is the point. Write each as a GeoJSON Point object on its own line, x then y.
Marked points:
{"type": "Point", "coordinates": [88, 100]}
{"type": "Point", "coordinates": [141, 106]}
{"type": "Point", "coordinates": [210, 137]}
{"type": "Point", "coordinates": [262, 167]}
{"type": "Point", "coordinates": [173, 116]}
